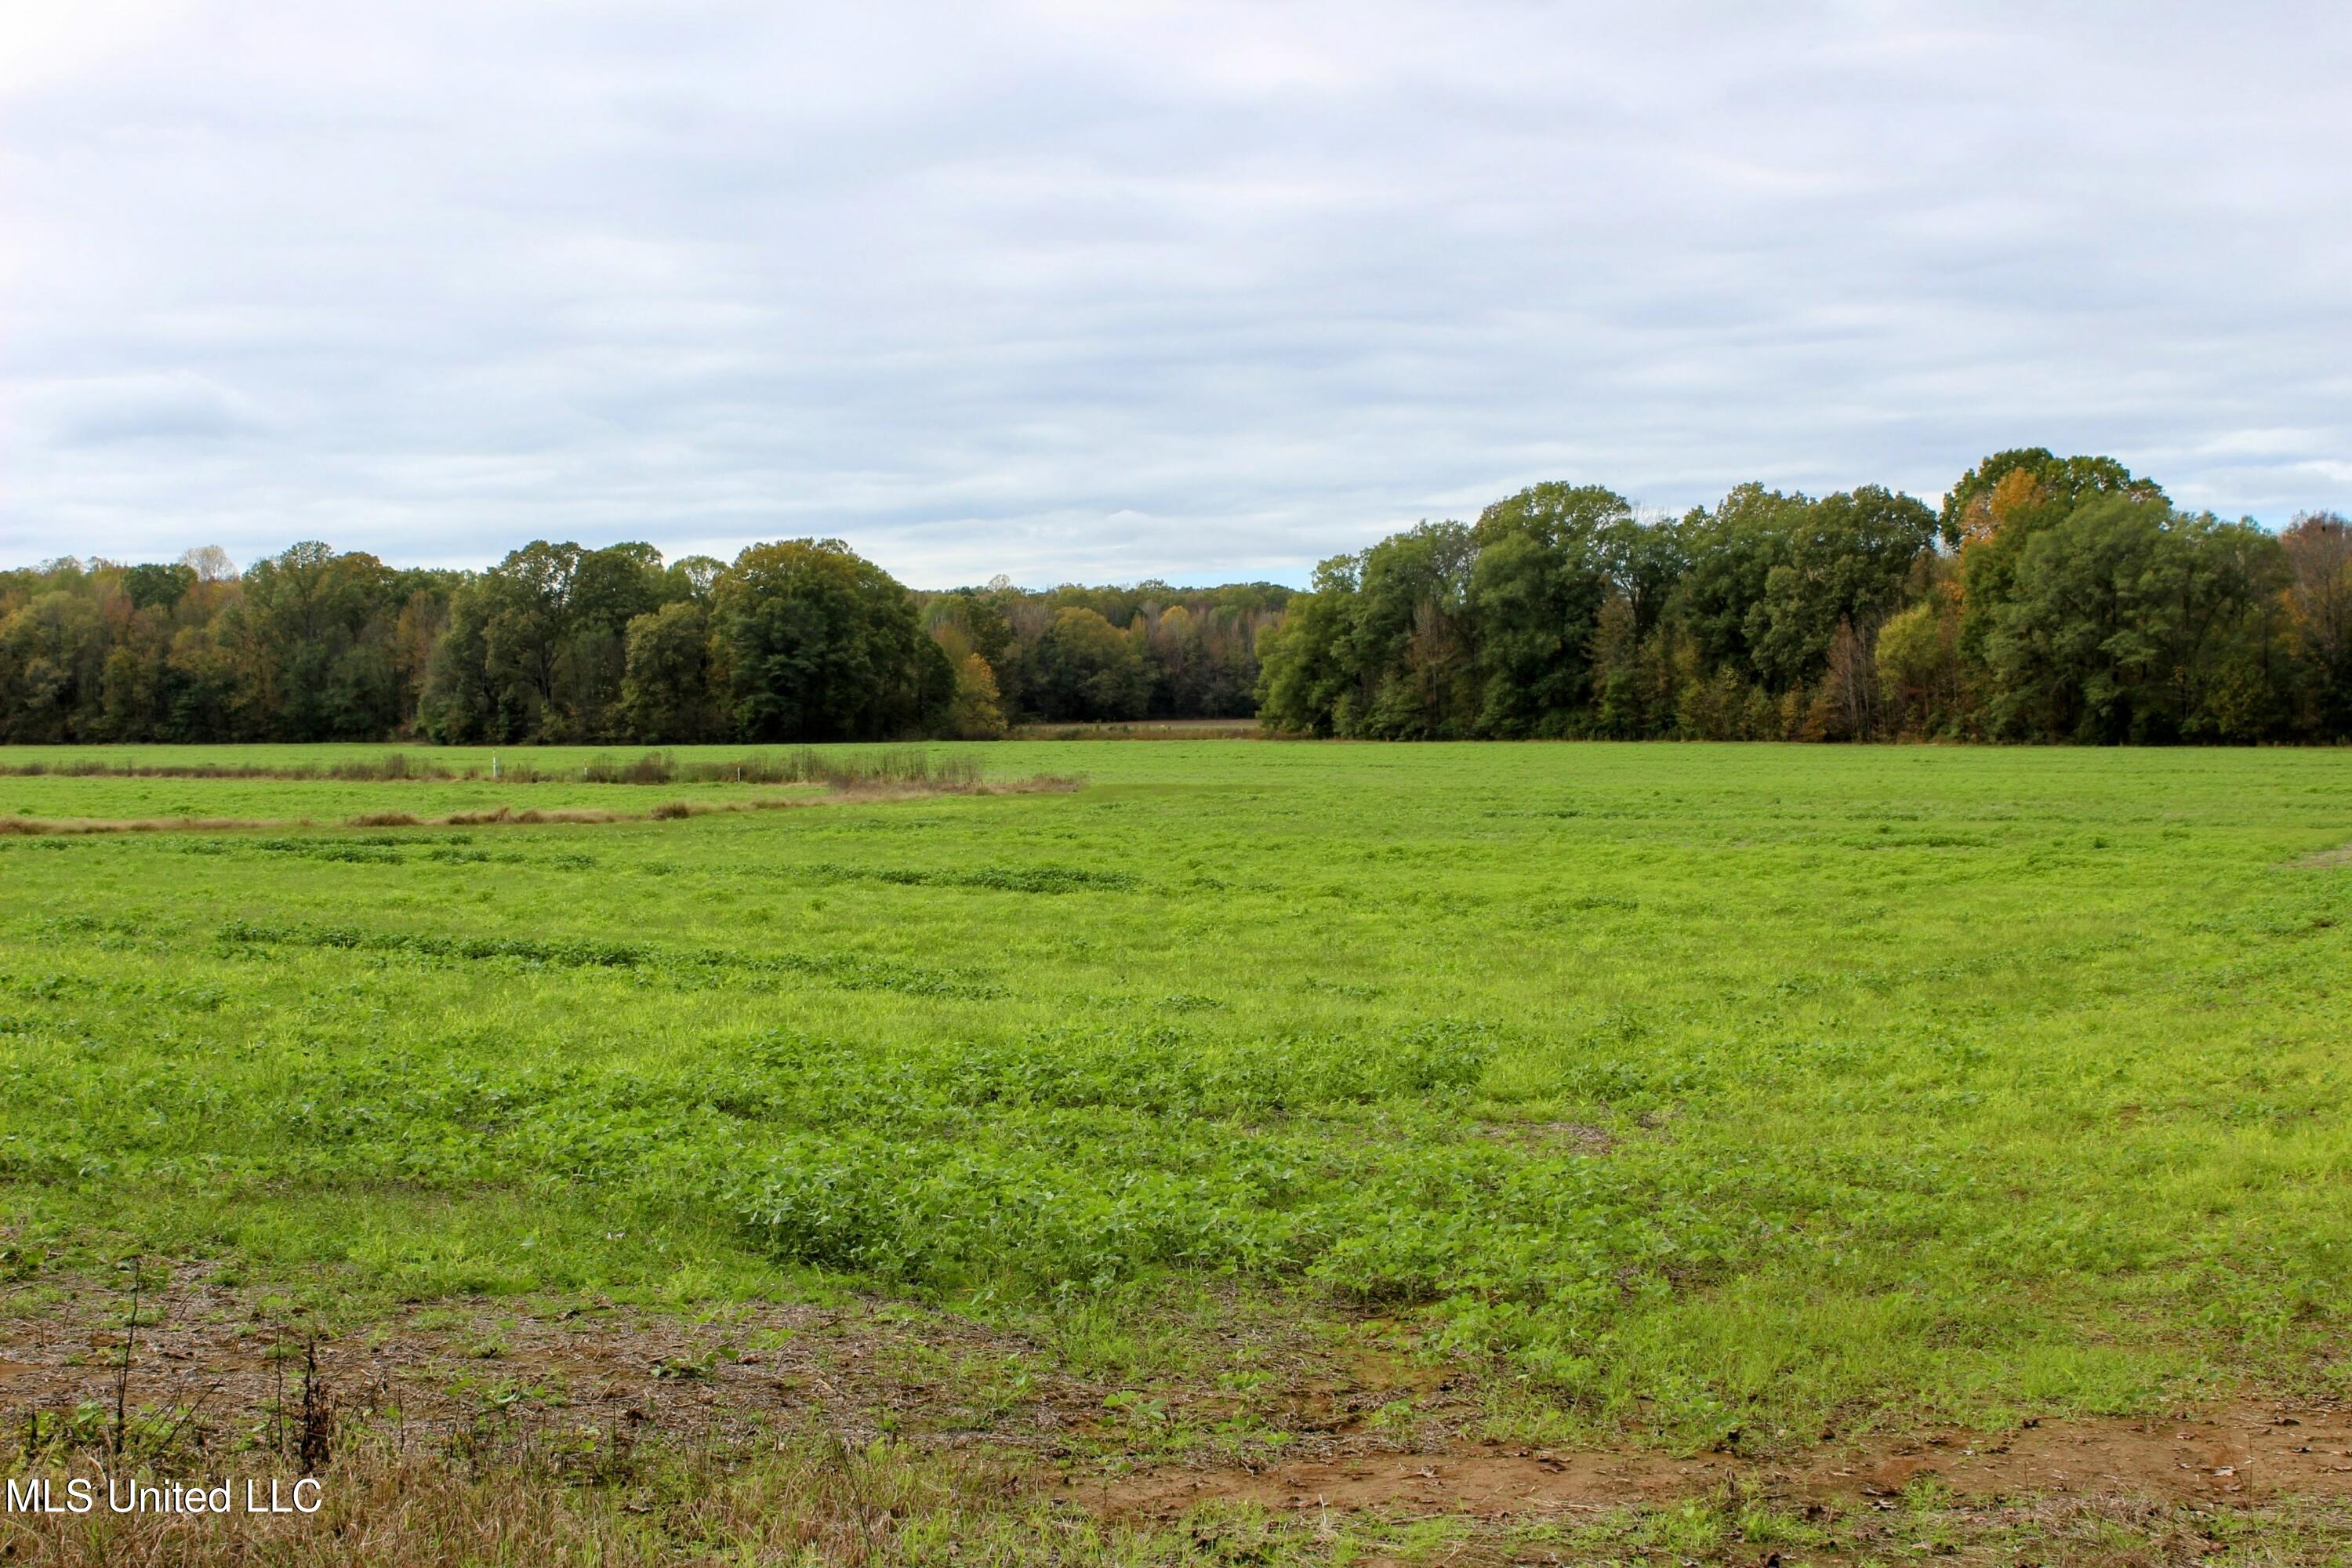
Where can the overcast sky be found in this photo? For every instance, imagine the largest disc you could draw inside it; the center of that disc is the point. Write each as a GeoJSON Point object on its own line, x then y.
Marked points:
{"type": "Point", "coordinates": [1102, 291]}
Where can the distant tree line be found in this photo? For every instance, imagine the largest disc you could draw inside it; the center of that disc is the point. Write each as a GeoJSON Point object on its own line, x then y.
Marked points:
{"type": "Point", "coordinates": [1074, 655]}
{"type": "Point", "coordinates": [797, 640]}
{"type": "Point", "coordinates": [2048, 599]}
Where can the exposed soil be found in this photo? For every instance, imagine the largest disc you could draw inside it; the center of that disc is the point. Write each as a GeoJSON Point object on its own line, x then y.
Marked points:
{"type": "Point", "coordinates": [2239, 1453]}
{"type": "Point", "coordinates": [860, 1371]}
{"type": "Point", "coordinates": [438, 1370]}
{"type": "Point", "coordinates": [1549, 1134]}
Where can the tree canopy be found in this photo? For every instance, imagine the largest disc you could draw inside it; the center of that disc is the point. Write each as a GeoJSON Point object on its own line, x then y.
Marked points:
{"type": "Point", "coordinates": [2043, 598]}
{"type": "Point", "coordinates": [2047, 599]}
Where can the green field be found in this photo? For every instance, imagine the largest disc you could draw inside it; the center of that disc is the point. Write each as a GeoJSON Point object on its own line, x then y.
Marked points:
{"type": "Point", "coordinates": [1674, 1098]}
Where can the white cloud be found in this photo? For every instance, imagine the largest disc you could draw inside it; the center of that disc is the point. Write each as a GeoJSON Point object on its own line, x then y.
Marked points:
{"type": "Point", "coordinates": [1093, 290]}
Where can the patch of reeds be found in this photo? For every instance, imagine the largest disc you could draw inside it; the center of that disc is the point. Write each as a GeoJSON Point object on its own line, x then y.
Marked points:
{"type": "Point", "coordinates": [895, 765]}
{"type": "Point", "coordinates": [898, 765]}
{"type": "Point", "coordinates": [364, 770]}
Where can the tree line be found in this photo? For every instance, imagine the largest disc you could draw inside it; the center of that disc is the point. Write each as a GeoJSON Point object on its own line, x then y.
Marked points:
{"type": "Point", "coordinates": [798, 640]}
{"type": "Point", "coordinates": [2046, 598]}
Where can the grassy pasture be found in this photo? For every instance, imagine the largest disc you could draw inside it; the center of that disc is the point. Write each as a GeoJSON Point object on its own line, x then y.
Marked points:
{"type": "Point", "coordinates": [1674, 1095]}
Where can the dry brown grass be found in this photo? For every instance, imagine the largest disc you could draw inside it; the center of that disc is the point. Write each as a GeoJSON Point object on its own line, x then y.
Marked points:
{"type": "Point", "coordinates": [815, 1504]}
{"type": "Point", "coordinates": [1042, 784]}
{"type": "Point", "coordinates": [821, 1504]}
{"type": "Point", "coordinates": [383, 819]}
{"type": "Point", "coordinates": [43, 826]}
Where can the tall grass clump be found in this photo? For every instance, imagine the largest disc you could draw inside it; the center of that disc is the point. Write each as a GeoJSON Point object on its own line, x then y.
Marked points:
{"type": "Point", "coordinates": [566, 1500]}
{"type": "Point", "coordinates": [897, 767]}
{"type": "Point", "coordinates": [905, 766]}
{"type": "Point", "coordinates": [390, 767]}
{"type": "Point", "coordinates": [893, 767]}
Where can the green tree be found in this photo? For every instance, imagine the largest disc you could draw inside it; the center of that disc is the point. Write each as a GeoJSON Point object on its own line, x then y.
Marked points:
{"type": "Point", "coordinates": [691, 577]}
{"type": "Point", "coordinates": [1845, 564]}
{"type": "Point", "coordinates": [2130, 621]}
{"type": "Point", "coordinates": [1303, 674]}
{"type": "Point", "coordinates": [610, 588]}
{"type": "Point", "coordinates": [1087, 669]}
{"type": "Point", "coordinates": [525, 609]}
{"type": "Point", "coordinates": [461, 705]}
{"type": "Point", "coordinates": [2000, 505]}
{"type": "Point", "coordinates": [1731, 551]}
{"type": "Point", "coordinates": [1541, 574]}
{"type": "Point", "coordinates": [1644, 561]}
{"type": "Point", "coordinates": [1621, 707]}
{"type": "Point", "coordinates": [538, 645]}
{"type": "Point", "coordinates": [666, 696]}
{"type": "Point", "coordinates": [1410, 647]}
{"type": "Point", "coordinates": [52, 662]}
{"type": "Point", "coordinates": [811, 642]}
{"type": "Point", "coordinates": [151, 585]}
{"type": "Point", "coordinates": [311, 636]}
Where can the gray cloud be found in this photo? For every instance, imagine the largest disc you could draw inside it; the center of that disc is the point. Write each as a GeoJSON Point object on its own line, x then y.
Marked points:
{"type": "Point", "coordinates": [1097, 292]}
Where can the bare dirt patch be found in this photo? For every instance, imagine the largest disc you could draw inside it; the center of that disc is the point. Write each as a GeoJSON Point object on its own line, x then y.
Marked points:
{"type": "Point", "coordinates": [2244, 1448]}
{"type": "Point", "coordinates": [2244, 1451]}
{"type": "Point", "coordinates": [1572, 1136]}
{"type": "Point", "coordinates": [854, 1372]}
{"type": "Point", "coordinates": [1492, 1485]}
{"type": "Point", "coordinates": [746, 1378]}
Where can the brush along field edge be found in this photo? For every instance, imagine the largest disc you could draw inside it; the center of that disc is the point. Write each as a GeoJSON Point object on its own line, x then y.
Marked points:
{"type": "Point", "coordinates": [668, 811]}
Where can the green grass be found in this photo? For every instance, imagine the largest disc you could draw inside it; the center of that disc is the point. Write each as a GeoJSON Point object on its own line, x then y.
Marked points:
{"type": "Point", "coordinates": [1676, 1091]}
